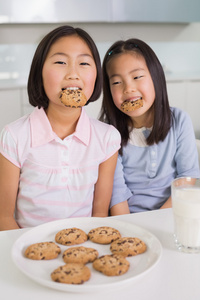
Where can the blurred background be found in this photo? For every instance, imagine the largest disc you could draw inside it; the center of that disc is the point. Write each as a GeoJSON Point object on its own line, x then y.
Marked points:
{"type": "Point", "coordinates": [171, 28]}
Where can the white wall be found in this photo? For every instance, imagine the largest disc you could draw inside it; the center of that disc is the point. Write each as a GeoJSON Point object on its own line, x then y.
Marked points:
{"type": "Point", "coordinates": [177, 45]}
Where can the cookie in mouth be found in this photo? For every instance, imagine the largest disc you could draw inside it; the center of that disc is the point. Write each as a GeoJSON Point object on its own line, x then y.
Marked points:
{"type": "Point", "coordinates": [131, 105]}
{"type": "Point", "coordinates": [73, 97]}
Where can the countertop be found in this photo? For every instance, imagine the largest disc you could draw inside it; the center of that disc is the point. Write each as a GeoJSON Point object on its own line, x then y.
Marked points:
{"type": "Point", "coordinates": [175, 276]}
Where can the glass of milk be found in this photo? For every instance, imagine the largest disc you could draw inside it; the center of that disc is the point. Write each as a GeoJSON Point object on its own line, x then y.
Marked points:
{"type": "Point", "coordinates": [186, 211]}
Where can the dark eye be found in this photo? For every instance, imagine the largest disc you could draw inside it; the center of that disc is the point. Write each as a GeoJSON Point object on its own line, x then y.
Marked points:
{"type": "Point", "coordinates": [137, 77]}
{"type": "Point", "coordinates": [84, 64]}
{"type": "Point", "coordinates": [116, 82]}
{"type": "Point", "coordinates": [60, 62]}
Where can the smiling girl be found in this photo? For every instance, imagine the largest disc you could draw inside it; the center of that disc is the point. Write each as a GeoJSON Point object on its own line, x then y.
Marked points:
{"type": "Point", "coordinates": [158, 142]}
{"type": "Point", "coordinates": [57, 162]}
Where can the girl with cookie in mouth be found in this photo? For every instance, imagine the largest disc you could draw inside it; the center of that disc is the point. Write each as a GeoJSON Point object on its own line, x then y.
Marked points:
{"type": "Point", "coordinates": [158, 142]}
{"type": "Point", "coordinates": [57, 162]}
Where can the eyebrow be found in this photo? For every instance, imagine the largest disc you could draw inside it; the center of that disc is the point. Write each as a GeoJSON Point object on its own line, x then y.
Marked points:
{"type": "Point", "coordinates": [66, 55]}
{"type": "Point", "coordinates": [132, 71]}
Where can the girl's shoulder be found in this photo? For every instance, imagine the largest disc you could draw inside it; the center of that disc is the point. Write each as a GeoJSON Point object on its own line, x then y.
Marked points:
{"type": "Point", "coordinates": [180, 116]}
{"type": "Point", "coordinates": [105, 135]}
{"type": "Point", "coordinates": [178, 112]}
{"type": "Point", "coordinates": [103, 128]}
{"type": "Point", "coordinates": [18, 127]}
{"type": "Point", "coordinates": [181, 121]}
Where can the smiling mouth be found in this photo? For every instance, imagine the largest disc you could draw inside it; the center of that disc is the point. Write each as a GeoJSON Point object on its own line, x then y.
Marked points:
{"type": "Point", "coordinates": [131, 105]}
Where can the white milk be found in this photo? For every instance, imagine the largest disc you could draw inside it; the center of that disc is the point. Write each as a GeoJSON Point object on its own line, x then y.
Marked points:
{"type": "Point", "coordinates": [186, 209]}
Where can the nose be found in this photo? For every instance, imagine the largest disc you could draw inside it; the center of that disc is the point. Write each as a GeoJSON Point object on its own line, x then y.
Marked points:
{"type": "Point", "coordinates": [129, 87]}
{"type": "Point", "coordinates": [72, 72]}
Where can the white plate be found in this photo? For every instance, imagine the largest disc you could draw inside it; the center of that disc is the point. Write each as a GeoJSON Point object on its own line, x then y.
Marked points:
{"type": "Point", "coordinates": [40, 271]}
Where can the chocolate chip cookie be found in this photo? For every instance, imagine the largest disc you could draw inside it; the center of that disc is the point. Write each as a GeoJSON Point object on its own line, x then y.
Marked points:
{"type": "Point", "coordinates": [72, 273]}
{"type": "Point", "coordinates": [42, 251]}
{"type": "Point", "coordinates": [73, 98]}
{"type": "Point", "coordinates": [103, 235]}
{"type": "Point", "coordinates": [111, 265]}
{"type": "Point", "coordinates": [71, 236]}
{"type": "Point", "coordinates": [128, 246]}
{"type": "Point", "coordinates": [131, 105]}
{"type": "Point", "coordinates": [80, 254]}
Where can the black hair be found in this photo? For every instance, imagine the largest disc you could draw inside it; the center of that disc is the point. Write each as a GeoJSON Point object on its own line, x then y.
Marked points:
{"type": "Point", "coordinates": [162, 113]}
{"type": "Point", "coordinates": [37, 95]}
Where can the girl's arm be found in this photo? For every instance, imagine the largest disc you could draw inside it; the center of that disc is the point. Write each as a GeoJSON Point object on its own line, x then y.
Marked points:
{"type": "Point", "coordinates": [121, 208]}
{"type": "Point", "coordinates": [103, 187]}
{"type": "Point", "coordinates": [167, 204]}
{"type": "Point", "coordinates": [9, 182]}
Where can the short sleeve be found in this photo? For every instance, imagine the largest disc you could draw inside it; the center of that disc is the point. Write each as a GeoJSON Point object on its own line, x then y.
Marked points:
{"type": "Point", "coordinates": [8, 147]}
{"type": "Point", "coordinates": [120, 192]}
{"type": "Point", "coordinates": [112, 142]}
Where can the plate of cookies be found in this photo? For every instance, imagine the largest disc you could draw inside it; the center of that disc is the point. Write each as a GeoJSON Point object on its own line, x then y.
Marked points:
{"type": "Point", "coordinates": [86, 254]}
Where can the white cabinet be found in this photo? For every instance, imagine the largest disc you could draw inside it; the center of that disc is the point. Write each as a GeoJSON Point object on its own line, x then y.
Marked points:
{"type": "Point", "coordinates": [14, 104]}
{"type": "Point", "coordinates": [175, 11]}
{"type": "Point", "coordinates": [26, 107]}
{"type": "Point", "coordinates": [177, 94]}
{"type": "Point", "coordinates": [193, 104]}
{"type": "Point", "coordinates": [55, 11]}
{"type": "Point", "coordinates": [186, 95]}
{"type": "Point", "coordinates": [10, 104]}
{"type": "Point", "coordinates": [93, 108]}
{"type": "Point", "coordinates": [67, 11]}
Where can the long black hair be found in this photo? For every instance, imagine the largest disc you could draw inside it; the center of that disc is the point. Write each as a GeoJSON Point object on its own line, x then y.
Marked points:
{"type": "Point", "coordinates": [37, 95]}
{"type": "Point", "coordinates": [162, 113]}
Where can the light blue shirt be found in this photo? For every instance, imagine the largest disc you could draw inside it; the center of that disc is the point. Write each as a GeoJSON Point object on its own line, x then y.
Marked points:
{"type": "Point", "coordinates": [143, 175]}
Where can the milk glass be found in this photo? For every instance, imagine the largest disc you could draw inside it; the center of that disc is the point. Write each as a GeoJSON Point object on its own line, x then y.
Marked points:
{"type": "Point", "coordinates": [186, 211]}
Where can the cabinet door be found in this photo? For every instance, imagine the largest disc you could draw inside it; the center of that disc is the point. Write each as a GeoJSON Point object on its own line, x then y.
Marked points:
{"type": "Point", "coordinates": [174, 11]}
{"type": "Point", "coordinates": [93, 108]}
{"type": "Point", "coordinates": [54, 11]}
{"type": "Point", "coordinates": [26, 107]}
{"type": "Point", "coordinates": [10, 106]}
{"type": "Point", "coordinates": [186, 95]}
{"type": "Point", "coordinates": [193, 104]}
{"type": "Point", "coordinates": [177, 94]}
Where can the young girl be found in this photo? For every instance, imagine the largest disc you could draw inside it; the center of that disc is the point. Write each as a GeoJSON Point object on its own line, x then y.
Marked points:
{"type": "Point", "coordinates": [57, 162]}
{"type": "Point", "coordinates": [158, 142]}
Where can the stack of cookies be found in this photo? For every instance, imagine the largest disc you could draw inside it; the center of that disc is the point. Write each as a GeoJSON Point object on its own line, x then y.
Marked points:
{"type": "Point", "coordinates": [75, 257]}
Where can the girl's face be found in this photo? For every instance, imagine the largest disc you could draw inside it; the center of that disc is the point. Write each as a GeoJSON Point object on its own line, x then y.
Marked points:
{"type": "Point", "coordinates": [69, 64]}
{"type": "Point", "coordinates": [130, 80]}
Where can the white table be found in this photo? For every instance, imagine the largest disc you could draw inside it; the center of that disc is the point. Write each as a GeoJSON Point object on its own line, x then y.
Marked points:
{"type": "Point", "coordinates": [175, 277]}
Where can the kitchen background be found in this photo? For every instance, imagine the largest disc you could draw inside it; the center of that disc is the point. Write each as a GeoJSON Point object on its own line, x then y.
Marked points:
{"type": "Point", "coordinates": [170, 27]}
